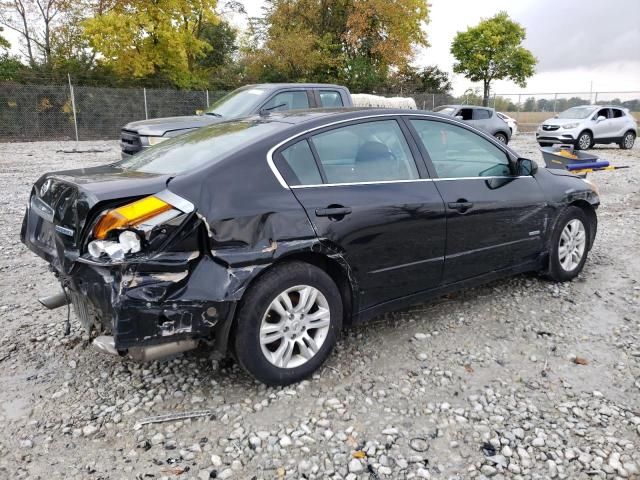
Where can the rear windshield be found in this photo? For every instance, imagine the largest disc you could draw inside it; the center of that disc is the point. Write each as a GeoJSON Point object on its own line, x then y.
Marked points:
{"type": "Point", "coordinates": [205, 146]}
{"type": "Point", "coordinates": [576, 112]}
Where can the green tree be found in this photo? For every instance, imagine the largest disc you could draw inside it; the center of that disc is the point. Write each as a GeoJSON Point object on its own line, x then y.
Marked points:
{"type": "Point", "coordinates": [492, 50]}
{"type": "Point", "coordinates": [429, 79]}
{"type": "Point", "coordinates": [357, 42]}
{"type": "Point", "coordinates": [4, 43]}
{"type": "Point", "coordinates": [157, 39]}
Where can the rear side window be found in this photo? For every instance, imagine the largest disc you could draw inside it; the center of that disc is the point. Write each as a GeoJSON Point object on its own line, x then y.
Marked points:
{"type": "Point", "coordinates": [330, 98]}
{"type": "Point", "coordinates": [292, 100]}
{"type": "Point", "coordinates": [365, 152]}
{"type": "Point", "coordinates": [458, 153]}
{"type": "Point", "coordinates": [481, 114]}
{"type": "Point", "coordinates": [301, 166]}
{"type": "Point", "coordinates": [617, 113]}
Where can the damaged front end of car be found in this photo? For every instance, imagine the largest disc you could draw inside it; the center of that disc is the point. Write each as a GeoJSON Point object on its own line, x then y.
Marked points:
{"type": "Point", "coordinates": [138, 271]}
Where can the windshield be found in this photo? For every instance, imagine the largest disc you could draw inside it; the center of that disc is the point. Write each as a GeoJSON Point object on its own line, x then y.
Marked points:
{"type": "Point", "coordinates": [445, 110]}
{"type": "Point", "coordinates": [577, 112]}
{"type": "Point", "coordinates": [205, 146]}
{"type": "Point", "coordinates": [239, 103]}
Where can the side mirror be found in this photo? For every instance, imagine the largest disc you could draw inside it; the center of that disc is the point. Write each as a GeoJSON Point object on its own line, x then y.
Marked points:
{"type": "Point", "coordinates": [459, 117]}
{"type": "Point", "coordinates": [601, 118]}
{"type": "Point", "coordinates": [524, 166]}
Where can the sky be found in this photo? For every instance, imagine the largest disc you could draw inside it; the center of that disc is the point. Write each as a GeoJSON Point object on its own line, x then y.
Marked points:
{"type": "Point", "coordinates": [581, 45]}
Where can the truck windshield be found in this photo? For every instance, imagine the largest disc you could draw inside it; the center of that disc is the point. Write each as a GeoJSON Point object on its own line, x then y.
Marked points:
{"type": "Point", "coordinates": [205, 146]}
{"type": "Point", "coordinates": [239, 103]}
{"type": "Point", "coordinates": [576, 112]}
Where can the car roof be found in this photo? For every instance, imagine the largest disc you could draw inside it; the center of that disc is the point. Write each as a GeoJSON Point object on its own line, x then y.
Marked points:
{"type": "Point", "coordinates": [466, 106]}
{"type": "Point", "coordinates": [277, 86]}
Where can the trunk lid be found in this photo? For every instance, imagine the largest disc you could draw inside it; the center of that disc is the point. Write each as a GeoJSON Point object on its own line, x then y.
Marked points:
{"type": "Point", "coordinates": [62, 203]}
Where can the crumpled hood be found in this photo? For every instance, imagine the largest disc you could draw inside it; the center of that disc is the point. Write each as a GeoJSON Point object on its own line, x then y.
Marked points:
{"type": "Point", "coordinates": [160, 126]}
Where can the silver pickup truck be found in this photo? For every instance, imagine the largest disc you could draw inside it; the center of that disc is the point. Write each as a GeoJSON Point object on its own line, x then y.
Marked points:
{"type": "Point", "coordinates": [242, 102]}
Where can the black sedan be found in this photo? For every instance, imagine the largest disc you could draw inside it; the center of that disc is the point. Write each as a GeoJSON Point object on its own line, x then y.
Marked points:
{"type": "Point", "coordinates": [265, 236]}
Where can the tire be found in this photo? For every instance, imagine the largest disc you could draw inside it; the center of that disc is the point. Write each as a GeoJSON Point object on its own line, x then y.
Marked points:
{"type": "Point", "coordinates": [584, 141]}
{"type": "Point", "coordinates": [286, 335]}
{"type": "Point", "coordinates": [501, 137]}
{"type": "Point", "coordinates": [627, 141]}
{"type": "Point", "coordinates": [559, 269]}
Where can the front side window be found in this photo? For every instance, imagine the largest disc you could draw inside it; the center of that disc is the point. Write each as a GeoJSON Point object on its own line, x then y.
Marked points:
{"type": "Point", "coordinates": [603, 112]}
{"type": "Point", "coordinates": [365, 152]}
{"type": "Point", "coordinates": [330, 98]}
{"type": "Point", "coordinates": [458, 153]}
{"type": "Point", "coordinates": [466, 113]}
{"type": "Point", "coordinates": [292, 100]}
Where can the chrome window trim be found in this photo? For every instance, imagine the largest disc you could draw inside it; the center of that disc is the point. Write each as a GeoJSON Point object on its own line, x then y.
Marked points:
{"type": "Point", "coordinates": [284, 185]}
{"type": "Point", "coordinates": [383, 182]}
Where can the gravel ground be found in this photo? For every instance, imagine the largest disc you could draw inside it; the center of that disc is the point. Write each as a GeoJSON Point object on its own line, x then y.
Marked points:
{"type": "Point", "coordinates": [521, 378]}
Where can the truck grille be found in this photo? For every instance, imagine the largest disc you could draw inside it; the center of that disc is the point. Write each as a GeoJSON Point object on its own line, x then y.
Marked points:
{"type": "Point", "coordinates": [130, 141]}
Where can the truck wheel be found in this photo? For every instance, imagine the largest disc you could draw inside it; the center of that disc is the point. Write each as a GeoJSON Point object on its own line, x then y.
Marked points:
{"type": "Point", "coordinates": [569, 245]}
{"type": "Point", "coordinates": [288, 323]}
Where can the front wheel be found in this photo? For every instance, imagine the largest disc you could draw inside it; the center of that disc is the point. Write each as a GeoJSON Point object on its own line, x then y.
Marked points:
{"type": "Point", "coordinates": [628, 141]}
{"type": "Point", "coordinates": [288, 323]}
{"type": "Point", "coordinates": [569, 245]}
{"type": "Point", "coordinates": [501, 137]}
{"type": "Point", "coordinates": [584, 141]}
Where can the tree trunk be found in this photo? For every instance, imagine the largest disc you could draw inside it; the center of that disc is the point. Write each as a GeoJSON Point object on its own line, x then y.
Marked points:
{"type": "Point", "coordinates": [486, 83]}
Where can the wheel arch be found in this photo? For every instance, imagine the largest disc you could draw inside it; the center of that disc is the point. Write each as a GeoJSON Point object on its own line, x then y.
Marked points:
{"type": "Point", "coordinates": [336, 269]}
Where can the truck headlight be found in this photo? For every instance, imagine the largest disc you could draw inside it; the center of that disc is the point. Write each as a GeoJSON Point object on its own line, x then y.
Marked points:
{"type": "Point", "coordinates": [150, 141]}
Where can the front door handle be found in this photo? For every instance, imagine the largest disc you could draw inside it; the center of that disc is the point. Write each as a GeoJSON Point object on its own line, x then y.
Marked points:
{"type": "Point", "coordinates": [336, 212]}
{"type": "Point", "coordinates": [461, 205]}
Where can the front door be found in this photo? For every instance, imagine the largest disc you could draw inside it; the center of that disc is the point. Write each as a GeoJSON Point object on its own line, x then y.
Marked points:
{"type": "Point", "coordinates": [494, 219]}
{"type": "Point", "coordinates": [369, 200]}
{"type": "Point", "coordinates": [603, 128]}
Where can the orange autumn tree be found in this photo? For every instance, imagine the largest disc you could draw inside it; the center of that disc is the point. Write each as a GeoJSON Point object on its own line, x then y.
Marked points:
{"type": "Point", "coordinates": [355, 42]}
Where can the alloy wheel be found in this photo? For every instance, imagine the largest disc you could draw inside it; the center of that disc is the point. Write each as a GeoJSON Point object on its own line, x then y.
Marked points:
{"type": "Point", "coordinates": [628, 140]}
{"type": "Point", "coordinates": [584, 141]}
{"type": "Point", "coordinates": [572, 245]}
{"type": "Point", "coordinates": [295, 326]}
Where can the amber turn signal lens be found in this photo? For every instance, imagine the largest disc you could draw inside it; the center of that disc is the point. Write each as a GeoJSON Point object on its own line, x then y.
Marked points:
{"type": "Point", "coordinates": [129, 215]}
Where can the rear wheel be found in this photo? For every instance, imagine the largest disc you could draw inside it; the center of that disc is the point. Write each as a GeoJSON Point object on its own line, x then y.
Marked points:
{"type": "Point", "coordinates": [584, 141]}
{"type": "Point", "coordinates": [628, 140]}
{"type": "Point", "coordinates": [288, 323]}
{"type": "Point", "coordinates": [569, 245]}
{"type": "Point", "coordinates": [501, 137]}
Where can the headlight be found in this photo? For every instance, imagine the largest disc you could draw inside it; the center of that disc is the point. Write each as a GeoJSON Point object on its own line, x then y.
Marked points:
{"type": "Point", "coordinates": [570, 125]}
{"type": "Point", "coordinates": [142, 215]}
{"type": "Point", "coordinates": [150, 141]}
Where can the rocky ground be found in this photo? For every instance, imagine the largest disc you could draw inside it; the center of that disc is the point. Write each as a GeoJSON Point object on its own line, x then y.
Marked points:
{"type": "Point", "coordinates": [521, 378]}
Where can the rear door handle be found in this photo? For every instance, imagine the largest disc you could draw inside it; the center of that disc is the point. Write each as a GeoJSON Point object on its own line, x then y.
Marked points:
{"type": "Point", "coordinates": [461, 206]}
{"type": "Point", "coordinates": [333, 212]}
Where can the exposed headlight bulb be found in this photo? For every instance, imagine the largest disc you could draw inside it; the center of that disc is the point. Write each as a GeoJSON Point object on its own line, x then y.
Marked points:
{"type": "Point", "coordinates": [128, 242]}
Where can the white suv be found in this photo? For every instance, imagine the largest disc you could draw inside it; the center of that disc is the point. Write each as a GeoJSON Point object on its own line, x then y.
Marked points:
{"type": "Point", "coordinates": [587, 125]}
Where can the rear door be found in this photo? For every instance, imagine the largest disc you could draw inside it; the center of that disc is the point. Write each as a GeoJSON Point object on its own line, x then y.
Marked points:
{"type": "Point", "coordinates": [369, 200]}
{"type": "Point", "coordinates": [482, 119]}
{"type": "Point", "coordinates": [495, 219]}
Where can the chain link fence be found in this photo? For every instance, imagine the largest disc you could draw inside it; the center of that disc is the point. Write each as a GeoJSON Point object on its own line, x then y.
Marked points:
{"type": "Point", "coordinates": [51, 112]}
{"type": "Point", "coordinates": [67, 112]}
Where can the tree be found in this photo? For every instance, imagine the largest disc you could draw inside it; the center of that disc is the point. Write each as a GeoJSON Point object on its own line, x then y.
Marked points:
{"type": "Point", "coordinates": [428, 80]}
{"type": "Point", "coordinates": [357, 42]}
{"type": "Point", "coordinates": [492, 50]}
{"type": "Point", "coordinates": [4, 43]}
{"type": "Point", "coordinates": [157, 39]}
